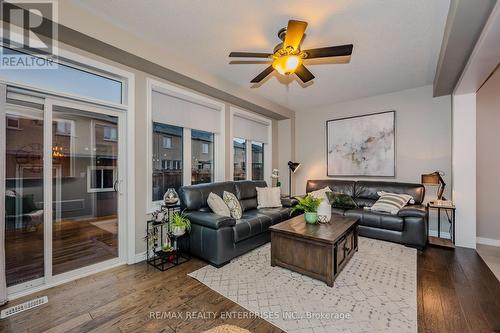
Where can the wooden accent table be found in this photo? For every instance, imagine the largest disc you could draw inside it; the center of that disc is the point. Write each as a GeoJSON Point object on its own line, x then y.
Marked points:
{"type": "Point", "coordinates": [320, 251]}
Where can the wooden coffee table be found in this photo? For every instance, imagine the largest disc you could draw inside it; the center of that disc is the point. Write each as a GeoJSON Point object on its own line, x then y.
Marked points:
{"type": "Point", "coordinates": [320, 251]}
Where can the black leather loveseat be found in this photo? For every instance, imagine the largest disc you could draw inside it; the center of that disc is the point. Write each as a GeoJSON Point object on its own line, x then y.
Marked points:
{"type": "Point", "coordinates": [218, 239]}
{"type": "Point", "coordinates": [408, 227]}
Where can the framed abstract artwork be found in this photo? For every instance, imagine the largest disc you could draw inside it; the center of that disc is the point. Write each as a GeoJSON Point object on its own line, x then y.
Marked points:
{"type": "Point", "coordinates": [362, 146]}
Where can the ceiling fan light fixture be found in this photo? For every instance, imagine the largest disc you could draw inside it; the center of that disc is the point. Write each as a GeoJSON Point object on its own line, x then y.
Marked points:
{"type": "Point", "coordinates": [287, 64]}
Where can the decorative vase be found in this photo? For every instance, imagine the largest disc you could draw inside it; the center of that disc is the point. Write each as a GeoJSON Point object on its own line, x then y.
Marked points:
{"type": "Point", "coordinates": [170, 197]}
{"type": "Point", "coordinates": [311, 217]}
{"type": "Point", "coordinates": [324, 212]}
{"type": "Point", "coordinates": [178, 231]}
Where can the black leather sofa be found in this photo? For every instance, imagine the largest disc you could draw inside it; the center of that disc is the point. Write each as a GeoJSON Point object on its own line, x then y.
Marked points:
{"type": "Point", "coordinates": [408, 227]}
{"type": "Point", "coordinates": [218, 239]}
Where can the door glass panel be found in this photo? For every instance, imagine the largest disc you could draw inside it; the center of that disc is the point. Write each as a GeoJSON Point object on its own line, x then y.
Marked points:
{"type": "Point", "coordinates": [240, 159]}
{"type": "Point", "coordinates": [24, 248]}
{"type": "Point", "coordinates": [257, 161]}
{"type": "Point", "coordinates": [202, 161]}
{"type": "Point", "coordinates": [85, 162]}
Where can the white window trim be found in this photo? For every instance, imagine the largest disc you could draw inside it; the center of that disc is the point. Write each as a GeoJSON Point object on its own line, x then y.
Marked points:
{"type": "Point", "coordinates": [268, 147]}
{"type": "Point", "coordinates": [128, 233]}
{"type": "Point", "coordinates": [89, 178]}
{"type": "Point", "coordinates": [18, 127]}
{"type": "Point", "coordinates": [219, 138]}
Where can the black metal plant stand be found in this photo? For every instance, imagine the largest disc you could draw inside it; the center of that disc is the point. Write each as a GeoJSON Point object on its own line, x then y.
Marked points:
{"type": "Point", "coordinates": [157, 233]}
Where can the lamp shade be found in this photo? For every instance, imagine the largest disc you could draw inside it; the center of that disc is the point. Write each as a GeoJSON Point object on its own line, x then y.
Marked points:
{"type": "Point", "coordinates": [293, 166]}
{"type": "Point", "coordinates": [431, 179]}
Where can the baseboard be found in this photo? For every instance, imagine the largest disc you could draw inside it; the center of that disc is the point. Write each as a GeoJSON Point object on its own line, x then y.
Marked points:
{"type": "Point", "coordinates": [443, 234]}
{"type": "Point", "coordinates": [488, 241]}
{"type": "Point", "coordinates": [140, 257]}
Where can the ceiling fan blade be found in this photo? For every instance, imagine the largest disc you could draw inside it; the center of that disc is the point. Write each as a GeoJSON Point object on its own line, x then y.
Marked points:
{"type": "Point", "coordinates": [294, 33]}
{"type": "Point", "coordinates": [249, 55]}
{"type": "Point", "coordinates": [263, 74]}
{"type": "Point", "coordinates": [303, 73]}
{"type": "Point", "coordinates": [331, 51]}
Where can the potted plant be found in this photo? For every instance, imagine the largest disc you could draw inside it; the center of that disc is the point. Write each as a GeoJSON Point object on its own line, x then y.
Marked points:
{"type": "Point", "coordinates": [179, 224]}
{"type": "Point", "coordinates": [309, 205]}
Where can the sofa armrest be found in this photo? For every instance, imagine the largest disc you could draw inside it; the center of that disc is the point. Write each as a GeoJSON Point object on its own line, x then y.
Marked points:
{"type": "Point", "coordinates": [210, 220]}
{"type": "Point", "coordinates": [413, 211]}
{"type": "Point", "coordinates": [288, 202]}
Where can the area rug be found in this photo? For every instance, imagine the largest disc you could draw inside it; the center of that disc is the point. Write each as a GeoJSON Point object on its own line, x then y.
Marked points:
{"type": "Point", "coordinates": [376, 291]}
{"type": "Point", "coordinates": [227, 329]}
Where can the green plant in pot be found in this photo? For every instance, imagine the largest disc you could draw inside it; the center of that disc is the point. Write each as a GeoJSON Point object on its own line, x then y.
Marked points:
{"type": "Point", "coordinates": [309, 205]}
{"type": "Point", "coordinates": [179, 224]}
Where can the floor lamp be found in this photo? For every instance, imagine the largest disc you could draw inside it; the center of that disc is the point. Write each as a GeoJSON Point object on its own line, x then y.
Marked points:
{"type": "Point", "coordinates": [292, 168]}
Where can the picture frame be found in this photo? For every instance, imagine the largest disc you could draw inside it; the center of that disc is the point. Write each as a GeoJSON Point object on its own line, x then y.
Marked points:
{"type": "Point", "coordinates": [362, 146]}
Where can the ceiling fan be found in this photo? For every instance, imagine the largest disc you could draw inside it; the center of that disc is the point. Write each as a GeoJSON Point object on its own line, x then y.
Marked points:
{"type": "Point", "coordinates": [287, 57]}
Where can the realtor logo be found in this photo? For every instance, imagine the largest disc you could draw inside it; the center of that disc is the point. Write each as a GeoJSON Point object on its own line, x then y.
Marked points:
{"type": "Point", "coordinates": [28, 34]}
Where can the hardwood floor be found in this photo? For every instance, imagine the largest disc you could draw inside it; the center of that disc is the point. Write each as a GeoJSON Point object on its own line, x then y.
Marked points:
{"type": "Point", "coordinates": [456, 293]}
{"type": "Point", "coordinates": [76, 243]}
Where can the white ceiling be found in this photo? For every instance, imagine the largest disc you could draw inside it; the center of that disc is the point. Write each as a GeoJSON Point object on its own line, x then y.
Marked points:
{"type": "Point", "coordinates": [396, 42]}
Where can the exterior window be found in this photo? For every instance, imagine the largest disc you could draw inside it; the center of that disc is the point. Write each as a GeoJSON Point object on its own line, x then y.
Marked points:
{"type": "Point", "coordinates": [204, 148]}
{"type": "Point", "coordinates": [239, 159]}
{"type": "Point", "coordinates": [167, 142]}
{"type": "Point", "coordinates": [110, 133]}
{"type": "Point", "coordinates": [202, 164]}
{"type": "Point", "coordinates": [63, 128]}
{"type": "Point", "coordinates": [257, 161]}
{"type": "Point", "coordinates": [13, 123]}
{"type": "Point", "coordinates": [100, 179]}
{"type": "Point", "coordinates": [65, 79]}
{"type": "Point", "coordinates": [165, 172]}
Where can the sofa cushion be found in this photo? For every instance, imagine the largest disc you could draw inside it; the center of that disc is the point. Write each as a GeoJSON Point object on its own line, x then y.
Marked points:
{"type": "Point", "coordinates": [277, 215]}
{"type": "Point", "coordinates": [413, 211]}
{"type": "Point", "coordinates": [390, 202]}
{"type": "Point", "coordinates": [246, 193]}
{"type": "Point", "coordinates": [369, 189]}
{"type": "Point", "coordinates": [341, 200]}
{"type": "Point", "coordinates": [194, 197]}
{"type": "Point", "coordinates": [339, 186]}
{"type": "Point", "coordinates": [251, 224]}
{"type": "Point", "coordinates": [233, 204]}
{"type": "Point", "coordinates": [217, 205]}
{"type": "Point", "coordinates": [377, 219]}
{"type": "Point", "coordinates": [268, 197]}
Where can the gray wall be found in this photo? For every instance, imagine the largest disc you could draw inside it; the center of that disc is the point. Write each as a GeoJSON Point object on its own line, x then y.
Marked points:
{"type": "Point", "coordinates": [488, 158]}
{"type": "Point", "coordinates": [423, 135]}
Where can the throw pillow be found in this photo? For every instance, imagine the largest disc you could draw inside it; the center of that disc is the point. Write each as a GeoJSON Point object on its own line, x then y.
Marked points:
{"type": "Point", "coordinates": [411, 202]}
{"type": "Point", "coordinates": [217, 205]}
{"type": "Point", "coordinates": [391, 202]}
{"type": "Point", "coordinates": [320, 194]}
{"type": "Point", "coordinates": [268, 197]}
{"type": "Point", "coordinates": [341, 200]}
{"type": "Point", "coordinates": [233, 204]}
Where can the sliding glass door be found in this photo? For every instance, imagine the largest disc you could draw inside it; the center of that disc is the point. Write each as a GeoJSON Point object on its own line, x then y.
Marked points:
{"type": "Point", "coordinates": [84, 188]}
{"type": "Point", "coordinates": [24, 195]}
{"type": "Point", "coordinates": [62, 188]}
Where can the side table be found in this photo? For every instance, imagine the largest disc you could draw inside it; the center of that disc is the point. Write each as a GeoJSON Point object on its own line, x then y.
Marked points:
{"type": "Point", "coordinates": [438, 241]}
{"type": "Point", "coordinates": [157, 234]}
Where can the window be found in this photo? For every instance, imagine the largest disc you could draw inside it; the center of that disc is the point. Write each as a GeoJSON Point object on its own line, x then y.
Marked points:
{"type": "Point", "coordinates": [66, 79]}
{"type": "Point", "coordinates": [63, 128]}
{"type": "Point", "coordinates": [257, 161]}
{"type": "Point", "coordinates": [166, 161]}
{"type": "Point", "coordinates": [167, 142]}
{"type": "Point", "coordinates": [202, 164]}
{"type": "Point", "coordinates": [110, 133]}
{"type": "Point", "coordinates": [204, 148]}
{"type": "Point", "coordinates": [239, 159]}
{"type": "Point", "coordinates": [101, 179]}
{"type": "Point", "coordinates": [13, 123]}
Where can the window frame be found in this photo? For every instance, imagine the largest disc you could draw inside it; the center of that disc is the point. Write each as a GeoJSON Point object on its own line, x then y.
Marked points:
{"type": "Point", "coordinates": [92, 168]}
{"type": "Point", "coordinates": [268, 150]}
{"type": "Point", "coordinates": [153, 84]}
